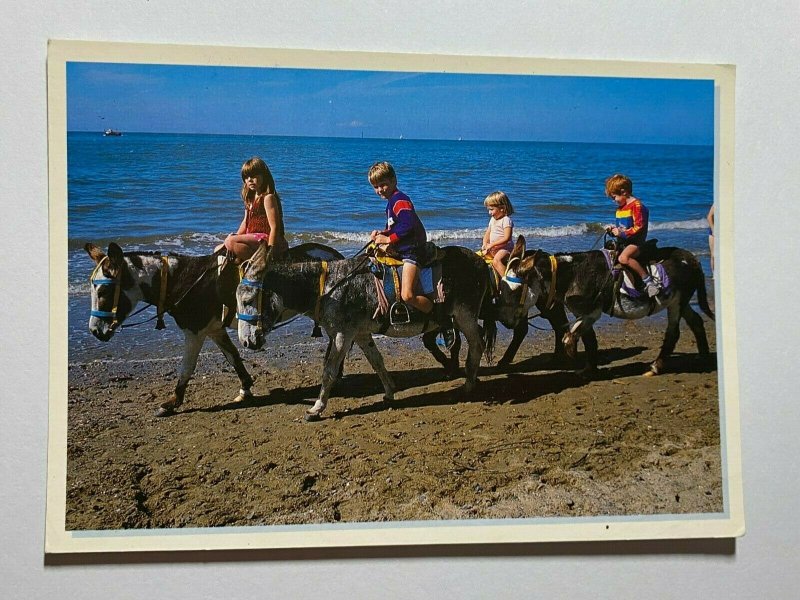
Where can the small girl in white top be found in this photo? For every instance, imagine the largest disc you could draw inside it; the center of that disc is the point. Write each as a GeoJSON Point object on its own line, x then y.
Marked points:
{"type": "Point", "coordinates": [497, 242]}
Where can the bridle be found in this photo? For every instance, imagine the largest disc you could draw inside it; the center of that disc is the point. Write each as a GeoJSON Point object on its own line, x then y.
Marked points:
{"type": "Point", "coordinates": [116, 282]}
{"type": "Point", "coordinates": [258, 318]}
{"type": "Point", "coordinates": [106, 315]}
{"type": "Point", "coordinates": [514, 280]}
{"type": "Point", "coordinates": [259, 285]}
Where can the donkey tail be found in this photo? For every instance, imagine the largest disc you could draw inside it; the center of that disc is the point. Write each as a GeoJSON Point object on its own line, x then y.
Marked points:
{"type": "Point", "coordinates": [702, 298]}
{"type": "Point", "coordinates": [489, 338]}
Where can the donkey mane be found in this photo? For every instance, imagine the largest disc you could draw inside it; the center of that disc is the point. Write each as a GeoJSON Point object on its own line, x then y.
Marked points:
{"type": "Point", "coordinates": [187, 269]}
{"type": "Point", "coordinates": [293, 283]}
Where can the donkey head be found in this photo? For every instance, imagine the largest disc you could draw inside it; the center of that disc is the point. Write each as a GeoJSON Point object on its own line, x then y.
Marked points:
{"type": "Point", "coordinates": [519, 290]}
{"type": "Point", "coordinates": [256, 307]}
{"type": "Point", "coordinates": [114, 291]}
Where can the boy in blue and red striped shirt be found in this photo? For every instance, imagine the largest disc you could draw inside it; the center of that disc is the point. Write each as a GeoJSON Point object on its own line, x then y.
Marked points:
{"type": "Point", "coordinates": [631, 228]}
{"type": "Point", "coordinates": [406, 234]}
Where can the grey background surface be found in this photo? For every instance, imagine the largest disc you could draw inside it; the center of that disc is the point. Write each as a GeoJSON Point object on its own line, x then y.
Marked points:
{"type": "Point", "coordinates": [761, 39]}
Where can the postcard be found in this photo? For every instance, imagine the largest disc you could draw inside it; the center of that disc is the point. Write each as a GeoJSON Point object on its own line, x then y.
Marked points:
{"type": "Point", "coordinates": [306, 299]}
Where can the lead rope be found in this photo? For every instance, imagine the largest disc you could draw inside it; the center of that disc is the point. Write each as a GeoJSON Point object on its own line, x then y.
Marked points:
{"type": "Point", "coordinates": [551, 295]}
{"type": "Point", "coordinates": [162, 294]}
{"type": "Point", "coordinates": [322, 277]}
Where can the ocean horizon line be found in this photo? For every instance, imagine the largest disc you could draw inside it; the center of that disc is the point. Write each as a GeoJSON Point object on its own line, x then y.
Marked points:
{"type": "Point", "coordinates": [401, 138]}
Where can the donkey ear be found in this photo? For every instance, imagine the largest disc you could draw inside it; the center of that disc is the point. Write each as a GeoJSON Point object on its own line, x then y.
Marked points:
{"type": "Point", "coordinates": [519, 248]}
{"type": "Point", "coordinates": [94, 252]}
{"type": "Point", "coordinates": [526, 265]}
{"type": "Point", "coordinates": [116, 264]}
{"type": "Point", "coordinates": [115, 252]}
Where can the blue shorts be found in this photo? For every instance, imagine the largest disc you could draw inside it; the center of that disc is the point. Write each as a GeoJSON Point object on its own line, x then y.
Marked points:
{"type": "Point", "coordinates": [412, 255]}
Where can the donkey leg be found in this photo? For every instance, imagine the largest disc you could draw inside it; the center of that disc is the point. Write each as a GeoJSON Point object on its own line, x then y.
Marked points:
{"type": "Point", "coordinates": [223, 342]}
{"type": "Point", "coordinates": [367, 344]}
{"type": "Point", "coordinates": [590, 345]}
{"type": "Point", "coordinates": [695, 322]}
{"type": "Point", "coordinates": [520, 331]}
{"type": "Point", "coordinates": [192, 342]}
{"type": "Point", "coordinates": [671, 336]}
{"type": "Point", "coordinates": [454, 354]}
{"type": "Point", "coordinates": [574, 332]}
{"type": "Point", "coordinates": [339, 375]}
{"type": "Point", "coordinates": [340, 344]}
{"type": "Point", "coordinates": [583, 329]}
{"type": "Point", "coordinates": [450, 364]}
{"type": "Point", "coordinates": [468, 325]}
{"type": "Point", "coordinates": [557, 317]}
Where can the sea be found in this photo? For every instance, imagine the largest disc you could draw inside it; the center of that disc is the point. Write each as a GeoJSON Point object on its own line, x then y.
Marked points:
{"type": "Point", "coordinates": [179, 193]}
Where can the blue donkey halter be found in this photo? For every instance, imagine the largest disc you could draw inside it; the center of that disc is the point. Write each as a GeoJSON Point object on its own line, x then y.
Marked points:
{"type": "Point", "coordinates": [98, 281]}
{"type": "Point", "coordinates": [259, 285]}
{"type": "Point", "coordinates": [515, 281]}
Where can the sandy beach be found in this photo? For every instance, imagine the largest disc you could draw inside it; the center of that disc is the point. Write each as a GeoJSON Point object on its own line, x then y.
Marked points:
{"type": "Point", "coordinates": [535, 440]}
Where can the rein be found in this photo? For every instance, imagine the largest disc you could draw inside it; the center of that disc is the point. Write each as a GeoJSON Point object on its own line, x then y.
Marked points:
{"type": "Point", "coordinates": [551, 295]}
{"type": "Point", "coordinates": [162, 297]}
{"type": "Point", "coordinates": [322, 276]}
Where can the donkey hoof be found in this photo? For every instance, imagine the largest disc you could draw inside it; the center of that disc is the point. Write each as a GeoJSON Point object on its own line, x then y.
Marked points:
{"type": "Point", "coordinates": [312, 417]}
{"type": "Point", "coordinates": [243, 396]}
{"type": "Point", "coordinates": [165, 411]}
{"type": "Point", "coordinates": [651, 373]}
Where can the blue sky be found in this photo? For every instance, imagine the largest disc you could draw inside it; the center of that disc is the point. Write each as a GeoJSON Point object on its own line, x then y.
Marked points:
{"type": "Point", "coordinates": [342, 103]}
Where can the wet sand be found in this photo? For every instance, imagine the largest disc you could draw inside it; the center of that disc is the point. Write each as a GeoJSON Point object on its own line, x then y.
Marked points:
{"type": "Point", "coordinates": [534, 440]}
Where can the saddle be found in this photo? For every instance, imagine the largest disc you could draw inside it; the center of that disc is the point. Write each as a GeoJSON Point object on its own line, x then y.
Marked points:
{"type": "Point", "coordinates": [626, 281]}
{"type": "Point", "coordinates": [387, 268]}
{"type": "Point", "coordinates": [648, 251]}
{"type": "Point", "coordinates": [494, 279]}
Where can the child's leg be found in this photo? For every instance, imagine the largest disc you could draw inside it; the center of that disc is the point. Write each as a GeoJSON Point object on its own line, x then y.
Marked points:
{"type": "Point", "coordinates": [499, 261]}
{"type": "Point", "coordinates": [407, 289]}
{"type": "Point", "coordinates": [242, 245]}
{"type": "Point", "coordinates": [711, 250]}
{"type": "Point", "coordinates": [628, 257]}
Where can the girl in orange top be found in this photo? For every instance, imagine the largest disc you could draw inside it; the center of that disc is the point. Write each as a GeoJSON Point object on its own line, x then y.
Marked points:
{"type": "Point", "coordinates": [263, 213]}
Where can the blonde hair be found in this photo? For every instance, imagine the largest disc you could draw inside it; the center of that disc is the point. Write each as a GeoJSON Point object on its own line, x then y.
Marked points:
{"type": "Point", "coordinates": [381, 171]}
{"type": "Point", "coordinates": [250, 168]}
{"type": "Point", "coordinates": [499, 199]}
{"type": "Point", "coordinates": [619, 184]}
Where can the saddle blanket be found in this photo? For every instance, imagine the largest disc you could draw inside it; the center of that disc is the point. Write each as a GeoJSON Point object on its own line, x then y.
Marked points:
{"type": "Point", "coordinates": [494, 276]}
{"type": "Point", "coordinates": [429, 278]}
{"type": "Point", "coordinates": [656, 271]}
{"type": "Point", "coordinates": [388, 280]}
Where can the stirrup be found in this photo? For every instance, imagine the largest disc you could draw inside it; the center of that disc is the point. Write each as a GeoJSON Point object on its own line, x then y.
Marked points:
{"type": "Point", "coordinates": [399, 314]}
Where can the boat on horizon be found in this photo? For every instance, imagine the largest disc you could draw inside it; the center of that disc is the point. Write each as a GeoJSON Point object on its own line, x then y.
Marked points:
{"type": "Point", "coordinates": [112, 133]}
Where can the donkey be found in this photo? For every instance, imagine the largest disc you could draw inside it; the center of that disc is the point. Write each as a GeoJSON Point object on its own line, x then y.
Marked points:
{"type": "Point", "coordinates": [342, 298]}
{"type": "Point", "coordinates": [189, 288]}
{"type": "Point", "coordinates": [511, 310]}
{"type": "Point", "coordinates": [584, 283]}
